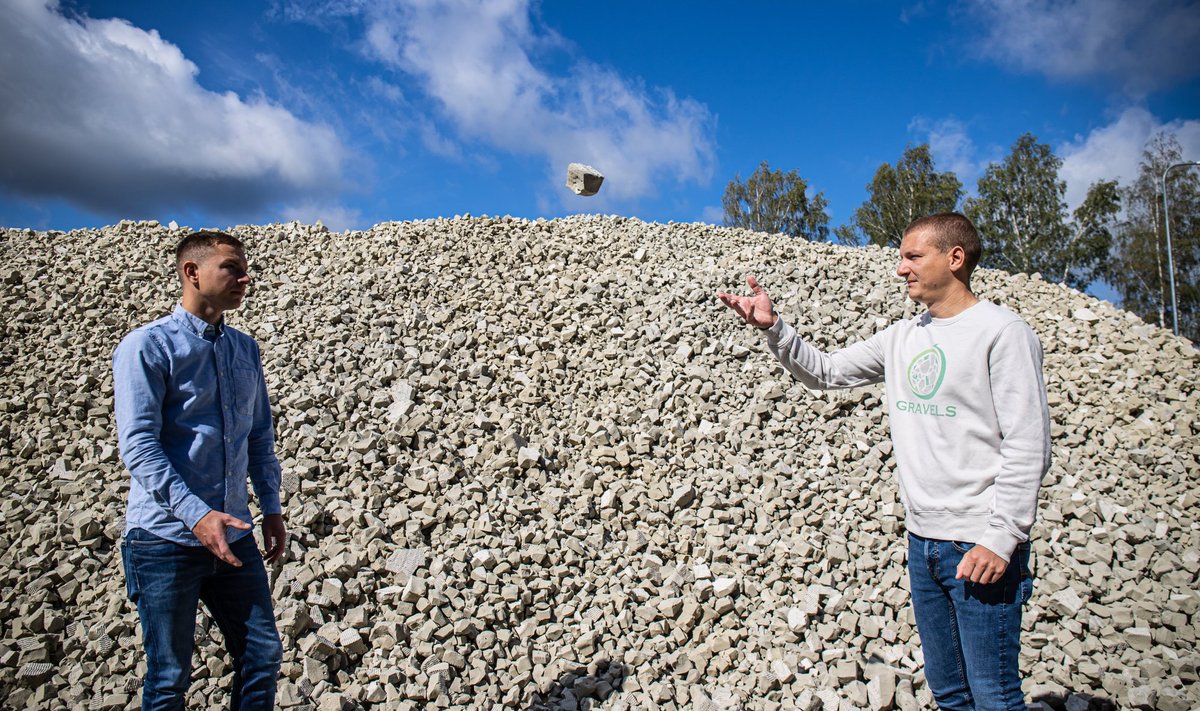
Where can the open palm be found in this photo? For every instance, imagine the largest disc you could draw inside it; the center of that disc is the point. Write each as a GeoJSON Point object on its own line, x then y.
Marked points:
{"type": "Point", "coordinates": [755, 309]}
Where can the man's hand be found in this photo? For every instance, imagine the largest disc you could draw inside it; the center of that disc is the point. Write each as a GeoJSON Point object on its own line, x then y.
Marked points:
{"type": "Point", "coordinates": [274, 535]}
{"type": "Point", "coordinates": [755, 309]}
{"type": "Point", "coordinates": [981, 566]}
{"type": "Point", "coordinates": [210, 530]}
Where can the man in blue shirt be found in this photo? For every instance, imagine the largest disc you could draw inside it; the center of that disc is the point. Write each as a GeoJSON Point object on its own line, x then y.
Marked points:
{"type": "Point", "coordinates": [194, 422]}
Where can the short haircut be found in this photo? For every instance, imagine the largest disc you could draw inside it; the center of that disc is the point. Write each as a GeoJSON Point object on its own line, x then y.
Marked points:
{"type": "Point", "coordinates": [197, 245]}
{"type": "Point", "coordinates": [948, 230]}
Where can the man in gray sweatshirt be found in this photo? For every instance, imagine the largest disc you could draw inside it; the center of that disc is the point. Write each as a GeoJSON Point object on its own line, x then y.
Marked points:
{"type": "Point", "coordinates": [971, 433]}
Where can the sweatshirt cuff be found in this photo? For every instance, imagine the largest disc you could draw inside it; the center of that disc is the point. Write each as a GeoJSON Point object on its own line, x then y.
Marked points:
{"type": "Point", "coordinates": [1000, 542]}
{"type": "Point", "coordinates": [780, 332]}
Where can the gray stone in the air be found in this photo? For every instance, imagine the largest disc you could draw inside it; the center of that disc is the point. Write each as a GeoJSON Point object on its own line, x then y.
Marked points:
{"type": "Point", "coordinates": [584, 179]}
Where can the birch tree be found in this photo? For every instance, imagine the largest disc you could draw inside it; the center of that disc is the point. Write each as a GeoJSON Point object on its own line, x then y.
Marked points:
{"type": "Point", "coordinates": [1021, 214]}
{"type": "Point", "coordinates": [776, 202]}
{"type": "Point", "coordinates": [898, 195]}
{"type": "Point", "coordinates": [1138, 268]}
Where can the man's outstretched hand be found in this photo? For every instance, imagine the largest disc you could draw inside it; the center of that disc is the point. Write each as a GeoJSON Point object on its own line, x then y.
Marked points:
{"type": "Point", "coordinates": [755, 309]}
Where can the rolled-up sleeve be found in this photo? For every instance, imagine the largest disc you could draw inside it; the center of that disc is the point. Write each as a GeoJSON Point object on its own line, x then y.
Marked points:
{"type": "Point", "coordinates": [140, 369]}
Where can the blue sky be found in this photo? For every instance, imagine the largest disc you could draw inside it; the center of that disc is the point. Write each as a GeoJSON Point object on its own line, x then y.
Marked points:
{"type": "Point", "coordinates": [357, 112]}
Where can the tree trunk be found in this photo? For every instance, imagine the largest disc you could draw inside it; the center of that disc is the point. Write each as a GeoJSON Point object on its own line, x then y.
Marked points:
{"type": "Point", "coordinates": [1158, 263]}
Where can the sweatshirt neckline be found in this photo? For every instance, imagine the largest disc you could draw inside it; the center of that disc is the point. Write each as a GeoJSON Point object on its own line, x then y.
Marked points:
{"type": "Point", "coordinates": [955, 318]}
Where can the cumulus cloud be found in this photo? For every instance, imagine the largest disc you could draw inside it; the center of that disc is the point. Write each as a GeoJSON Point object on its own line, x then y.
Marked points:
{"type": "Point", "coordinates": [713, 214]}
{"type": "Point", "coordinates": [1114, 151]}
{"type": "Point", "coordinates": [111, 117]}
{"type": "Point", "coordinates": [1109, 152]}
{"type": "Point", "coordinates": [951, 146]}
{"type": "Point", "coordinates": [335, 217]}
{"type": "Point", "coordinates": [480, 64]}
{"type": "Point", "coordinates": [1142, 45]}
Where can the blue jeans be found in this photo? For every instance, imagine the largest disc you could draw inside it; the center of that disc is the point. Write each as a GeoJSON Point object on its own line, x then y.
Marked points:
{"type": "Point", "coordinates": [970, 633]}
{"type": "Point", "coordinates": [166, 581]}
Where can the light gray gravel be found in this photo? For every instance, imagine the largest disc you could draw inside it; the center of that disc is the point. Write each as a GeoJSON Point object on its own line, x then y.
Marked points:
{"type": "Point", "coordinates": [538, 464]}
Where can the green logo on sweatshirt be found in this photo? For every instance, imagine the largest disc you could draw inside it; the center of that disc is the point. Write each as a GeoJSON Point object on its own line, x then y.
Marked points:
{"type": "Point", "coordinates": [926, 371]}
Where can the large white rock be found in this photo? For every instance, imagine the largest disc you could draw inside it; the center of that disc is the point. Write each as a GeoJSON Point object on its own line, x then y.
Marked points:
{"type": "Point", "coordinates": [584, 179]}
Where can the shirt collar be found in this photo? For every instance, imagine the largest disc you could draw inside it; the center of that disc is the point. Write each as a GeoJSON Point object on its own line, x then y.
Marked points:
{"type": "Point", "coordinates": [197, 325]}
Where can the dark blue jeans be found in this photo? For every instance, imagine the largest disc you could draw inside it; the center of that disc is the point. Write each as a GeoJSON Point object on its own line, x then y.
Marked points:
{"type": "Point", "coordinates": [970, 633]}
{"type": "Point", "coordinates": [166, 581]}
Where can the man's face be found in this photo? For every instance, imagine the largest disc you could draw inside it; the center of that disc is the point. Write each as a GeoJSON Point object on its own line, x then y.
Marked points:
{"type": "Point", "coordinates": [223, 277]}
{"type": "Point", "coordinates": [924, 267]}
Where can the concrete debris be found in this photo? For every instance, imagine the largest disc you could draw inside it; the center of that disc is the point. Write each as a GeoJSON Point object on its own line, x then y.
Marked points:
{"type": "Point", "coordinates": [536, 464]}
{"type": "Point", "coordinates": [584, 179]}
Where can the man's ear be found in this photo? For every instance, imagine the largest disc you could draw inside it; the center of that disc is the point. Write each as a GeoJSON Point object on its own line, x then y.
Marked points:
{"type": "Point", "coordinates": [958, 258]}
{"type": "Point", "coordinates": [190, 272]}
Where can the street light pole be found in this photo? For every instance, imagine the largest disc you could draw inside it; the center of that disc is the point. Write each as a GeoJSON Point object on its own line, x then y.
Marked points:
{"type": "Point", "coordinates": [1170, 258]}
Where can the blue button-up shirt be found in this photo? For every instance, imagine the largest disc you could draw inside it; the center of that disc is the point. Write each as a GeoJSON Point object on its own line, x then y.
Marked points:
{"type": "Point", "coordinates": [193, 421]}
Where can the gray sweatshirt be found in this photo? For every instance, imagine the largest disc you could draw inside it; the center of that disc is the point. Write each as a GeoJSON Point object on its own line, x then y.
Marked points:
{"type": "Point", "coordinates": [967, 405]}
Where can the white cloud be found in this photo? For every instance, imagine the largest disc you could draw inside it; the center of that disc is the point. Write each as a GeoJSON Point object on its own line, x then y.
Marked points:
{"type": "Point", "coordinates": [111, 117]}
{"type": "Point", "coordinates": [386, 90]}
{"type": "Point", "coordinates": [1142, 45]}
{"type": "Point", "coordinates": [1114, 152]}
{"type": "Point", "coordinates": [436, 143]}
{"type": "Point", "coordinates": [335, 217]}
{"type": "Point", "coordinates": [1110, 152]}
{"type": "Point", "coordinates": [713, 215]}
{"type": "Point", "coordinates": [478, 61]}
{"type": "Point", "coordinates": [951, 146]}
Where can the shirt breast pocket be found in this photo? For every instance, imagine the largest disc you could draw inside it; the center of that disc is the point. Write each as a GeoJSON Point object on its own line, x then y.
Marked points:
{"type": "Point", "coordinates": [245, 396]}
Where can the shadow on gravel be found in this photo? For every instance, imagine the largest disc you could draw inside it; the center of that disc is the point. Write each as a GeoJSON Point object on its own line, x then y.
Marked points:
{"type": "Point", "coordinates": [581, 687]}
{"type": "Point", "coordinates": [1073, 701]}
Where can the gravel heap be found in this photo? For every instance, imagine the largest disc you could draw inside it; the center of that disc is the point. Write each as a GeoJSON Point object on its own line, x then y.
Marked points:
{"type": "Point", "coordinates": [537, 464]}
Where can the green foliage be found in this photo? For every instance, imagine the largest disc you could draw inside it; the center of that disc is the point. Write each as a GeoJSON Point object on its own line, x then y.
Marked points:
{"type": "Point", "coordinates": [773, 201]}
{"type": "Point", "coordinates": [898, 195]}
{"type": "Point", "coordinates": [1020, 209]}
{"type": "Point", "coordinates": [1138, 270]}
{"type": "Point", "coordinates": [1022, 218]}
{"type": "Point", "coordinates": [1091, 235]}
{"type": "Point", "coordinates": [845, 234]}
